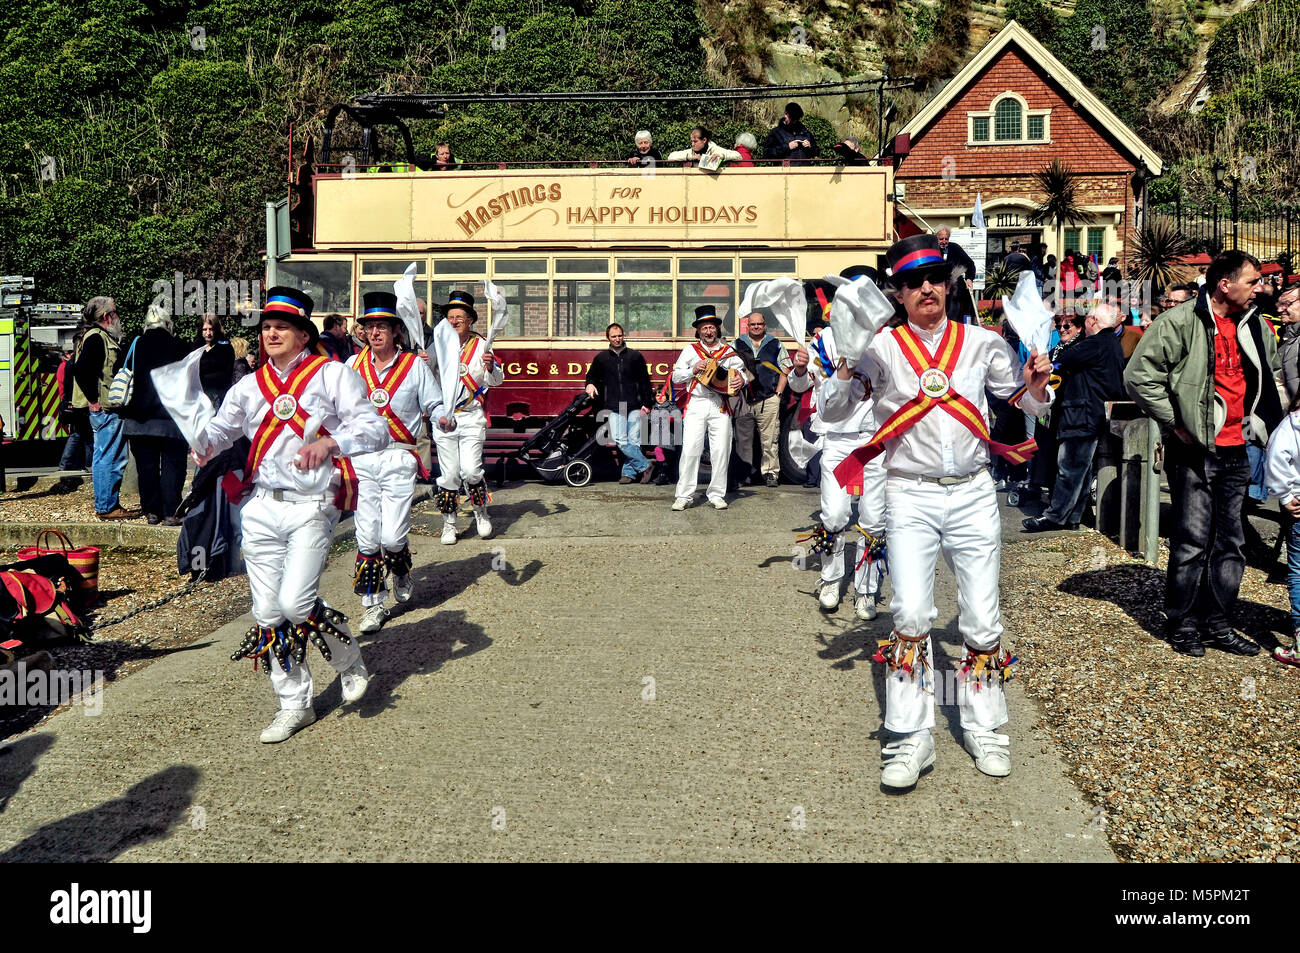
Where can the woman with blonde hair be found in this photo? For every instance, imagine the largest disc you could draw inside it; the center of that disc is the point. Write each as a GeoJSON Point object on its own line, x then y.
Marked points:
{"type": "Point", "coordinates": [159, 449]}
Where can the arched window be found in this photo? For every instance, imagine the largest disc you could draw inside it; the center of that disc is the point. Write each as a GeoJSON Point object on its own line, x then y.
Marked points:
{"type": "Point", "coordinates": [1007, 120]}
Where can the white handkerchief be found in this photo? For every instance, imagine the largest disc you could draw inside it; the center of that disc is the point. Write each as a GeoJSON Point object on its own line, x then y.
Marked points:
{"type": "Point", "coordinates": [858, 311]}
{"type": "Point", "coordinates": [785, 298]}
{"type": "Point", "coordinates": [181, 394]}
{"type": "Point", "coordinates": [1027, 315]}
{"type": "Point", "coordinates": [499, 311]}
{"type": "Point", "coordinates": [407, 307]}
{"type": "Point", "coordinates": [446, 349]}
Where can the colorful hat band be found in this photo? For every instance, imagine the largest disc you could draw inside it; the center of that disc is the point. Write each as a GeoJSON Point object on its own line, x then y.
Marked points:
{"type": "Point", "coordinates": [920, 258]}
{"type": "Point", "coordinates": [380, 312]}
{"type": "Point", "coordinates": [286, 305]}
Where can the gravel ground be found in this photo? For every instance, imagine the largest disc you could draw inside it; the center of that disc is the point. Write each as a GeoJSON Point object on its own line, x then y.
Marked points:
{"type": "Point", "coordinates": [41, 504]}
{"type": "Point", "coordinates": [127, 581]}
{"type": "Point", "coordinates": [1184, 759]}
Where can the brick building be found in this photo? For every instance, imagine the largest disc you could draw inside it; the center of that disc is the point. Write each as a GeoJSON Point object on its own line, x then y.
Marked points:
{"type": "Point", "coordinates": [1002, 118]}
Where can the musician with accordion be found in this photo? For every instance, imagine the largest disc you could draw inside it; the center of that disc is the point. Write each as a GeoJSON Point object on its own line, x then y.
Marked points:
{"type": "Point", "coordinates": [712, 374]}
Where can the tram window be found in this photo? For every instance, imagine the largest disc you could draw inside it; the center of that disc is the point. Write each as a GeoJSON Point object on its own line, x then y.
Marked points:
{"type": "Point", "coordinates": [644, 266]}
{"type": "Point", "coordinates": [706, 266]}
{"type": "Point", "coordinates": [328, 282]}
{"type": "Point", "coordinates": [529, 308]}
{"type": "Point", "coordinates": [581, 308]}
{"type": "Point", "coordinates": [692, 294]}
{"type": "Point", "coordinates": [443, 289]}
{"type": "Point", "coordinates": [776, 266]}
{"type": "Point", "coordinates": [461, 266]}
{"type": "Point", "coordinates": [520, 266]}
{"type": "Point", "coordinates": [644, 308]}
{"type": "Point", "coordinates": [582, 266]}
{"type": "Point", "coordinates": [393, 266]}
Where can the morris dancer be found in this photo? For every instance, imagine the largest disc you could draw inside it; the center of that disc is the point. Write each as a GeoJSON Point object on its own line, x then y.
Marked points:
{"type": "Point", "coordinates": [306, 415]}
{"type": "Point", "coordinates": [401, 388]}
{"type": "Point", "coordinates": [843, 435]}
{"type": "Point", "coordinates": [706, 408]}
{"type": "Point", "coordinates": [928, 379]}
{"type": "Point", "coordinates": [460, 433]}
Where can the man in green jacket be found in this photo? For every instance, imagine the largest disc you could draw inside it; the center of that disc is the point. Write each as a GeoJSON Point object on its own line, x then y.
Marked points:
{"type": "Point", "coordinates": [1206, 370]}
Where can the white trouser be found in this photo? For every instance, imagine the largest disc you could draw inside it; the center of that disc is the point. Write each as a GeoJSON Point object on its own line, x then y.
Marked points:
{"type": "Point", "coordinates": [285, 548]}
{"type": "Point", "coordinates": [837, 512]}
{"type": "Point", "coordinates": [962, 522]}
{"type": "Point", "coordinates": [701, 417]}
{"type": "Point", "coordinates": [386, 484]}
{"type": "Point", "coordinates": [460, 453]}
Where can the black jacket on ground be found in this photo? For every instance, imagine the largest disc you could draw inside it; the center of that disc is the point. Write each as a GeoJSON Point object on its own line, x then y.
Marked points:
{"type": "Point", "coordinates": [621, 378]}
{"type": "Point", "coordinates": [1092, 372]}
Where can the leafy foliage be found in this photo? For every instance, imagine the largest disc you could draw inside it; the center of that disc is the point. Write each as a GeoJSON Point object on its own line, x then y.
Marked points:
{"type": "Point", "coordinates": [1159, 253]}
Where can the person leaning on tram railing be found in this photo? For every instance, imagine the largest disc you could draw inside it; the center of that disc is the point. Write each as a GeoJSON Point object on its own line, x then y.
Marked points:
{"type": "Point", "coordinates": [702, 145]}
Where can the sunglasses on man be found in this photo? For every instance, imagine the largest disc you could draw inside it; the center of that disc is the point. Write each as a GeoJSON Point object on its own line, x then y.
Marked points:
{"type": "Point", "coordinates": [914, 281]}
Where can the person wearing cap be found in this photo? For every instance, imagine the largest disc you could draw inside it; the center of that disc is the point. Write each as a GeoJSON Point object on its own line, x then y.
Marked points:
{"type": "Point", "coordinates": [790, 139]}
{"type": "Point", "coordinates": [928, 379]}
{"type": "Point", "coordinates": [760, 409]}
{"type": "Point", "coordinates": [402, 388]}
{"type": "Point", "coordinates": [462, 427]}
{"type": "Point", "coordinates": [707, 408]}
{"type": "Point", "coordinates": [306, 416]}
{"type": "Point", "coordinates": [846, 429]}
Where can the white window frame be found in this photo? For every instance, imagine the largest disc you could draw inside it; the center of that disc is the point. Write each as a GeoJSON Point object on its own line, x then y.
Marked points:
{"type": "Point", "coordinates": [1025, 113]}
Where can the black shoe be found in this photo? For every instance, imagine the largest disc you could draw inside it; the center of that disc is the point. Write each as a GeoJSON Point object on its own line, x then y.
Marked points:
{"type": "Point", "coordinates": [1228, 641]}
{"type": "Point", "coordinates": [153, 519]}
{"type": "Point", "coordinates": [1041, 524]}
{"type": "Point", "coordinates": [771, 480]}
{"type": "Point", "coordinates": [1187, 642]}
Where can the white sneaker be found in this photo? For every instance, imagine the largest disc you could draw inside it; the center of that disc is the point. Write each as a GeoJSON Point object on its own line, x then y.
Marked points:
{"type": "Point", "coordinates": [680, 504]}
{"type": "Point", "coordinates": [483, 523]}
{"type": "Point", "coordinates": [905, 759]}
{"type": "Point", "coordinates": [864, 605]}
{"type": "Point", "coordinates": [286, 723]}
{"type": "Point", "coordinates": [403, 588]}
{"type": "Point", "coordinates": [992, 751]}
{"type": "Point", "coordinates": [354, 680]}
{"type": "Point", "coordinates": [374, 618]}
{"type": "Point", "coordinates": [718, 504]}
{"type": "Point", "coordinates": [449, 531]}
{"type": "Point", "coordinates": [829, 596]}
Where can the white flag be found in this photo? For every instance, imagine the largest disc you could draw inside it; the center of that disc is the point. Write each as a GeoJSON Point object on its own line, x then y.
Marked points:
{"type": "Point", "coordinates": [1027, 315]}
{"type": "Point", "coordinates": [785, 299]}
{"type": "Point", "coordinates": [181, 394]}
{"type": "Point", "coordinates": [977, 218]}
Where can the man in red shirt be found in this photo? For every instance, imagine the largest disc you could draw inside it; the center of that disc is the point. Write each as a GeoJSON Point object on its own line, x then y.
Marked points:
{"type": "Point", "coordinates": [1206, 371]}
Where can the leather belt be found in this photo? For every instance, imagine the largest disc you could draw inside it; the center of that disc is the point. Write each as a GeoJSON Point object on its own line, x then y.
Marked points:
{"type": "Point", "coordinates": [941, 481]}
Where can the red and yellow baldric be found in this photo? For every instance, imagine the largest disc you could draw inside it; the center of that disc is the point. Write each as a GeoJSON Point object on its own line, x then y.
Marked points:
{"type": "Point", "coordinates": [381, 396]}
{"type": "Point", "coordinates": [284, 409]}
{"type": "Point", "coordinates": [472, 388]}
{"type": "Point", "coordinates": [934, 374]}
{"type": "Point", "coordinates": [723, 353]}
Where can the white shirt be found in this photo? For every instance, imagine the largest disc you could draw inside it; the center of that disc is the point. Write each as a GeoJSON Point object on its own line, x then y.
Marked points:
{"type": "Point", "coordinates": [684, 371]}
{"type": "Point", "coordinates": [335, 395]}
{"type": "Point", "coordinates": [1282, 459]}
{"type": "Point", "coordinates": [417, 396]}
{"type": "Point", "coordinates": [937, 445]}
{"type": "Point", "coordinates": [475, 370]}
{"type": "Point", "coordinates": [860, 418]}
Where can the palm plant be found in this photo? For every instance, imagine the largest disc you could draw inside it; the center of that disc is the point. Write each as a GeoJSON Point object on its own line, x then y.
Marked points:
{"type": "Point", "coordinates": [1159, 253]}
{"type": "Point", "coordinates": [1061, 207]}
{"type": "Point", "coordinates": [1000, 281]}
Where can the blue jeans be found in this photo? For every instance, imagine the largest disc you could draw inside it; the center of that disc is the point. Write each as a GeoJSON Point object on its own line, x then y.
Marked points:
{"type": "Point", "coordinates": [1073, 479]}
{"type": "Point", "coordinates": [625, 430]}
{"type": "Point", "coordinates": [110, 459]}
{"type": "Point", "coordinates": [79, 451]}
{"type": "Point", "coordinates": [1293, 573]}
{"type": "Point", "coordinates": [1255, 457]}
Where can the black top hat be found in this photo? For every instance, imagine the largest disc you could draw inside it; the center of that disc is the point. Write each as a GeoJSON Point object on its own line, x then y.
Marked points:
{"type": "Point", "coordinates": [704, 313]}
{"type": "Point", "coordinates": [916, 254]}
{"type": "Point", "coordinates": [294, 306]}
{"type": "Point", "coordinates": [860, 271]}
{"type": "Point", "coordinates": [460, 299]}
{"type": "Point", "coordinates": [379, 306]}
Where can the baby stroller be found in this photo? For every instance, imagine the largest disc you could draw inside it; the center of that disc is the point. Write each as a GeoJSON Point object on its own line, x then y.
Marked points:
{"type": "Point", "coordinates": [562, 449]}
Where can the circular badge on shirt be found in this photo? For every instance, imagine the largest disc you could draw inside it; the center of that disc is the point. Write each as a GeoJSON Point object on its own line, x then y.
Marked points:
{"type": "Point", "coordinates": [285, 406]}
{"type": "Point", "coordinates": [934, 383]}
{"type": "Point", "coordinates": [464, 368]}
{"type": "Point", "coordinates": [380, 397]}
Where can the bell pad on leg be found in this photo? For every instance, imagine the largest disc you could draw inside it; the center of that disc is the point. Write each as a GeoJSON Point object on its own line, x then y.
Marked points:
{"type": "Point", "coordinates": [264, 643]}
{"type": "Point", "coordinates": [446, 501]}
{"type": "Point", "coordinates": [903, 654]}
{"type": "Point", "coordinates": [369, 576]}
{"type": "Point", "coordinates": [980, 667]}
{"type": "Point", "coordinates": [323, 621]}
{"type": "Point", "coordinates": [398, 563]}
{"type": "Point", "coordinates": [821, 541]}
{"type": "Point", "coordinates": [478, 494]}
